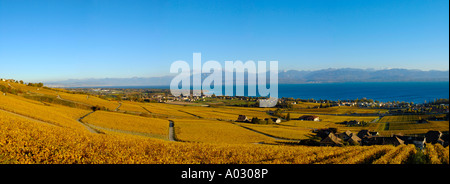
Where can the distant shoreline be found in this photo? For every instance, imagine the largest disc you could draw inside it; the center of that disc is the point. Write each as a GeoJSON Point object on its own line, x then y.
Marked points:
{"type": "Point", "coordinates": [417, 92]}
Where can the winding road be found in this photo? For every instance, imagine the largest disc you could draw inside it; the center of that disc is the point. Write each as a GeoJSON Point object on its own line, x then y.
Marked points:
{"type": "Point", "coordinates": [117, 108]}
{"type": "Point", "coordinates": [87, 126]}
{"type": "Point", "coordinates": [171, 131]}
{"type": "Point", "coordinates": [92, 130]}
{"type": "Point", "coordinates": [171, 135]}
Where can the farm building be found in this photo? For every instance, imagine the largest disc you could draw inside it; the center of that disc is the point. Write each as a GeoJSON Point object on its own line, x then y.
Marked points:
{"type": "Point", "coordinates": [346, 135]}
{"type": "Point", "coordinates": [331, 140]}
{"type": "Point", "coordinates": [242, 118]}
{"type": "Point", "coordinates": [365, 133]}
{"type": "Point", "coordinates": [350, 137]}
{"type": "Point", "coordinates": [354, 139]}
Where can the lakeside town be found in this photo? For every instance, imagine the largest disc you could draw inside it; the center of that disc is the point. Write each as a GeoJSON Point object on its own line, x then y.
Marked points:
{"type": "Point", "coordinates": [164, 96]}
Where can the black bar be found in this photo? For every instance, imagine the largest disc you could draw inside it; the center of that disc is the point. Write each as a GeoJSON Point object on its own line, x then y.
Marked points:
{"type": "Point", "coordinates": [274, 173]}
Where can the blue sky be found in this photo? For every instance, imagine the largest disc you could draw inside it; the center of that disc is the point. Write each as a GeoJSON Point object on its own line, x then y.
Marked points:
{"type": "Point", "coordinates": [61, 39]}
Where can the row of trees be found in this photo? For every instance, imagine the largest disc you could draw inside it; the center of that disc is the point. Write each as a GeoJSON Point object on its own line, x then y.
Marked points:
{"type": "Point", "coordinates": [279, 113]}
{"type": "Point", "coordinates": [40, 84]}
{"type": "Point", "coordinates": [256, 120]}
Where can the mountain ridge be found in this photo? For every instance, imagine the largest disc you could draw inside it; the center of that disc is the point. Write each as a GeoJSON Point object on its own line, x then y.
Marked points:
{"type": "Point", "coordinates": [330, 75]}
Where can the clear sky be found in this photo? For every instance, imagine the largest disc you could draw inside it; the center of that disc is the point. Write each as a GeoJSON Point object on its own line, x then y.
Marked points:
{"type": "Point", "coordinates": [61, 39]}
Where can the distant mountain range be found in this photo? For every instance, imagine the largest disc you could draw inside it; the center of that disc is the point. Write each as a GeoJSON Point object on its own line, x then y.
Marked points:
{"type": "Point", "coordinates": [284, 77]}
{"type": "Point", "coordinates": [360, 75]}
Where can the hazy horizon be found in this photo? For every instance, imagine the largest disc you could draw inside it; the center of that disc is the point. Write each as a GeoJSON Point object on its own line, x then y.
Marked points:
{"type": "Point", "coordinates": [166, 75]}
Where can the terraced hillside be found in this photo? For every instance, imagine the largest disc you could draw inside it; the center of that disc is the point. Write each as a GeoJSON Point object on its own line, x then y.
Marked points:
{"type": "Point", "coordinates": [38, 130]}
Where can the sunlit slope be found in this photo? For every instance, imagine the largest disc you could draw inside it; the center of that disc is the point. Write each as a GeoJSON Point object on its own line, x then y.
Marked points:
{"type": "Point", "coordinates": [329, 121]}
{"type": "Point", "coordinates": [130, 138]}
{"type": "Point", "coordinates": [409, 125]}
{"type": "Point", "coordinates": [54, 114]}
{"type": "Point", "coordinates": [126, 123]}
{"type": "Point", "coordinates": [23, 141]}
{"type": "Point", "coordinates": [195, 112]}
{"type": "Point", "coordinates": [89, 100]}
{"type": "Point", "coordinates": [283, 131]}
{"type": "Point", "coordinates": [132, 107]}
{"type": "Point", "coordinates": [227, 113]}
{"type": "Point", "coordinates": [212, 113]}
{"type": "Point", "coordinates": [29, 89]}
{"type": "Point", "coordinates": [165, 110]}
{"type": "Point", "coordinates": [211, 131]}
{"type": "Point", "coordinates": [61, 94]}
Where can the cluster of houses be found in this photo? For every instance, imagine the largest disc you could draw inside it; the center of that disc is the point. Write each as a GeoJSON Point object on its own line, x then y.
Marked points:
{"type": "Point", "coordinates": [243, 118]}
{"type": "Point", "coordinates": [170, 98]}
{"type": "Point", "coordinates": [366, 137]}
{"type": "Point", "coordinates": [364, 103]}
{"type": "Point", "coordinates": [356, 104]}
{"type": "Point", "coordinates": [185, 98]}
{"type": "Point", "coordinates": [202, 97]}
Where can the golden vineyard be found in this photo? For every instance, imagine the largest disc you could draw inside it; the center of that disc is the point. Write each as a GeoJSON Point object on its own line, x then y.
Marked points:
{"type": "Point", "coordinates": [36, 131]}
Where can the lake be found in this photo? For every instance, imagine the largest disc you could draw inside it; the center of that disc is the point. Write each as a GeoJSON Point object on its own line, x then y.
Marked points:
{"type": "Point", "coordinates": [417, 92]}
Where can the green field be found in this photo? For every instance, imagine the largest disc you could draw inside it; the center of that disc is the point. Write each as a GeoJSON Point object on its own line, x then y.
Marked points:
{"type": "Point", "coordinates": [408, 125]}
{"type": "Point", "coordinates": [402, 118]}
